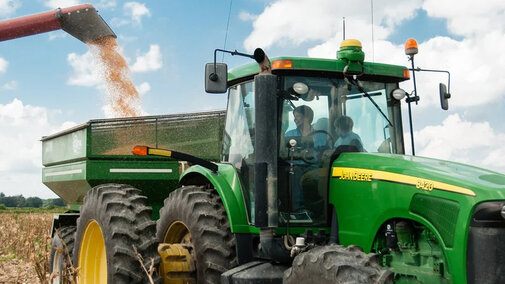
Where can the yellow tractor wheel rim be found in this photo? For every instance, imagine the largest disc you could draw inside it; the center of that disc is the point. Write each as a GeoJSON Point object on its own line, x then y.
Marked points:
{"type": "Point", "coordinates": [92, 256]}
{"type": "Point", "coordinates": [177, 258]}
{"type": "Point", "coordinates": [177, 232]}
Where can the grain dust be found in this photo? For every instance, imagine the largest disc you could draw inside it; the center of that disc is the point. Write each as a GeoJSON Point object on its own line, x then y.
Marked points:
{"type": "Point", "coordinates": [122, 94]}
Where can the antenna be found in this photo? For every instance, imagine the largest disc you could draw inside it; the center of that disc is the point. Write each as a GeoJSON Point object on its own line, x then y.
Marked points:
{"type": "Point", "coordinates": [227, 26]}
{"type": "Point", "coordinates": [343, 26]}
{"type": "Point", "coordinates": [373, 47]}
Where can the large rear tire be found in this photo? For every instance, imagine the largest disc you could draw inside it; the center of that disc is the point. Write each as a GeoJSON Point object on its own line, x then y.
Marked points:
{"type": "Point", "coordinates": [194, 216]}
{"type": "Point", "coordinates": [336, 264]}
{"type": "Point", "coordinates": [59, 256]}
{"type": "Point", "coordinates": [114, 219]}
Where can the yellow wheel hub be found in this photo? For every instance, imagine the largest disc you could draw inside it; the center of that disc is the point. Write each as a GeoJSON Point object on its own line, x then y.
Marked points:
{"type": "Point", "coordinates": [177, 232]}
{"type": "Point", "coordinates": [92, 256]}
{"type": "Point", "coordinates": [177, 257]}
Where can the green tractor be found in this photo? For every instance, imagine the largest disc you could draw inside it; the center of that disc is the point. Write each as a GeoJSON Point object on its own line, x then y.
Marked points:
{"type": "Point", "coordinates": [303, 179]}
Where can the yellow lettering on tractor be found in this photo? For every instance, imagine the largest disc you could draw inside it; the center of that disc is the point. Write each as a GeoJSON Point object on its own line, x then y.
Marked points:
{"type": "Point", "coordinates": [366, 175]}
{"type": "Point", "coordinates": [354, 174]}
{"type": "Point", "coordinates": [425, 185]}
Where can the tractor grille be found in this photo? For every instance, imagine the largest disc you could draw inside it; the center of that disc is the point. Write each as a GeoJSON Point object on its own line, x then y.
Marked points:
{"type": "Point", "coordinates": [442, 213]}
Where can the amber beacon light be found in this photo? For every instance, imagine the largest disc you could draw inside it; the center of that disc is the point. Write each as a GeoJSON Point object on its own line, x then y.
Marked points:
{"type": "Point", "coordinates": [411, 47]}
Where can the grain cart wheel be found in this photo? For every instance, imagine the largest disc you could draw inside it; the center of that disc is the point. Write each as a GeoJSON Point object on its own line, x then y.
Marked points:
{"type": "Point", "coordinates": [194, 229]}
{"type": "Point", "coordinates": [336, 264]}
{"type": "Point", "coordinates": [61, 253]}
{"type": "Point", "coordinates": [114, 219]}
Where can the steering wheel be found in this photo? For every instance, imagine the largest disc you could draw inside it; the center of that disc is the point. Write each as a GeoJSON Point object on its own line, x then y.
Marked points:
{"type": "Point", "coordinates": [307, 153]}
{"type": "Point", "coordinates": [332, 140]}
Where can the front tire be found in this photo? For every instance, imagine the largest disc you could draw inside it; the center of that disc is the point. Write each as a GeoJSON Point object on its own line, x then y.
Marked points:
{"type": "Point", "coordinates": [194, 216]}
{"type": "Point", "coordinates": [114, 219]}
{"type": "Point", "coordinates": [336, 264]}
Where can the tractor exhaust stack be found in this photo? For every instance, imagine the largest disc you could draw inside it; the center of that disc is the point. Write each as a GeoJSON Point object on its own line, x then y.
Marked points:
{"type": "Point", "coordinates": [81, 21]}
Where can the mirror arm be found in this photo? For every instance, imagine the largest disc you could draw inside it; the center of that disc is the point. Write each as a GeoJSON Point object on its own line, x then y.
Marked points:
{"type": "Point", "coordinates": [439, 71]}
{"type": "Point", "coordinates": [213, 76]}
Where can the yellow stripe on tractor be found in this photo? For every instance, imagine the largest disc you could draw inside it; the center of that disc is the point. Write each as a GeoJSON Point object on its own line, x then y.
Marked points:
{"type": "Point", "coordinates": [366, 175]}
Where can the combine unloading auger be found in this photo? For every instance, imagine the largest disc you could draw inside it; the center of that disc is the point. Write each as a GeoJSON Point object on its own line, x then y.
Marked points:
{"type": "Point", "coordinates": [82, 22]}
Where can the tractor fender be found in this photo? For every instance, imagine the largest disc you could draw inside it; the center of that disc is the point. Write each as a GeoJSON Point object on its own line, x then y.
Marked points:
{"type": "Point", "coordinates": [226, 182]}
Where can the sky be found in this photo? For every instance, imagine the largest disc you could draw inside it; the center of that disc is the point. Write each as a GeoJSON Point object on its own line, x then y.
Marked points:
{"type": "Point", "coordinates": [49, 82]}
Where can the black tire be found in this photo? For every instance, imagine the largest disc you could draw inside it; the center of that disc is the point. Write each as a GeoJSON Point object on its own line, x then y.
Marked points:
{"type": "Point", "coordinates": [125, 221]}
{"type": "Point", "coordinates": [336, 264]}
{"type": "Point", "coordinates": [202, 211]}
{"type": "Point", "coordinates": [59, 256]}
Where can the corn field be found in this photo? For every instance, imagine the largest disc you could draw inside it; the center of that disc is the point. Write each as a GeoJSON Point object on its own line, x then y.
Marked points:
{"type": "Point", "coordinates": [24, 247]}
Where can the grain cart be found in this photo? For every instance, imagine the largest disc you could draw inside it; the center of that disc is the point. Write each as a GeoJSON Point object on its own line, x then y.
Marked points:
{"type": "Point", "coordinates": [274, 206]}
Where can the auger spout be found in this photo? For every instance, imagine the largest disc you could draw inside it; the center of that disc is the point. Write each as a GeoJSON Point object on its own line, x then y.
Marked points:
{"type": "Point", "coordinates": [81, 21]}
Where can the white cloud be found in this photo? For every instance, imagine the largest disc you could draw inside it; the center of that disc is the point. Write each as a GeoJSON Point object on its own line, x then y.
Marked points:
{"type": "Point", "coordinates": [287, 22]}
{"type": "Point", "coordinates": [53, 4]}
{"type": "Point", "coordinates": [8, 7]}
{"type": "Point", "coordinates": [150, 61]}
{"type": "Point", "coordinates": [467, 17]}
{"type": "Point", "coordinates": [144, 88]}
{"type": "Point", "coordinates": [86, 71]}
{"type": "Point", "coordinates": [57, 34]}
{"type": "Point", "coordinates": [460, 140]}
{"type": "Point", "coordinates": [246, 16]}
{"type": "Point", "coordinates": [3, 65]}
{"type": "Point", "coordinates": [136, 11]}
{"type": "Point", "coordinates": [21, 127]}
{"type": "Point", "coordinates": [9, 86]}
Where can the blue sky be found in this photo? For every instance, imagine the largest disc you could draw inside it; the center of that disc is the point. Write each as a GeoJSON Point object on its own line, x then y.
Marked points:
{"type": "Point", "coordinates": [47, 81]}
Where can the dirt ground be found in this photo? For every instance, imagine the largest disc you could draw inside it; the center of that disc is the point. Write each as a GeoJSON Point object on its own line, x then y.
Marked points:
{"type": "Point", "coordinates": [24, 245]}
{"type": "Point", "coordinates": [18, 271]}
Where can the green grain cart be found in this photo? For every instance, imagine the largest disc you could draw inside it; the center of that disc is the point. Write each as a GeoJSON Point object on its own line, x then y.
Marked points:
{"type": "Point", "coordinates": [259, 195]}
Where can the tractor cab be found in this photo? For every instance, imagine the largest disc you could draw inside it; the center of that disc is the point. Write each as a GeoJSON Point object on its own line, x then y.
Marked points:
{"type": "Point", "coordinates": [347, 104]}
{"type": "Point", "coordinates": [328, 113]}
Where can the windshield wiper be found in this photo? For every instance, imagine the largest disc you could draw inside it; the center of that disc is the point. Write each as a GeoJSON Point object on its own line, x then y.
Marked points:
{"type": "Point", "coordinates": [355, 82]}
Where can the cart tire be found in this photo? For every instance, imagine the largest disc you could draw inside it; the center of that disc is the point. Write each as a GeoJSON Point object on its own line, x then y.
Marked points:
{"type": "Point", "coordinates": [114, 219]}
{"type": "Point", "coordinates": [59, 256]}
{"type": "Point", "coordinates": [336, 264]}
{"type": "Point", "coordinates": [205, 228]}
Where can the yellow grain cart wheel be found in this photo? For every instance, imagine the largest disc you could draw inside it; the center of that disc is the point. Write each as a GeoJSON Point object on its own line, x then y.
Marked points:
{"type": "Point", "coordinates": [61, 254]}
{"type": "Point", "coordinates": [197, 243]}
{"type": "Point", "coordinates": [114, 219]}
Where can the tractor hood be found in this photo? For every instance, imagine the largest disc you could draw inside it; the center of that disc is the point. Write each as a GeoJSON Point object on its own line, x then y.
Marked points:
{"type": "Point", "coordinates": [450, 176]}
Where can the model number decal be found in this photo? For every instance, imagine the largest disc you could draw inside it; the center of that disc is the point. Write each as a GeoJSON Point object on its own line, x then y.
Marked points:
{"type": "Point", "coordinates": [425, 185]}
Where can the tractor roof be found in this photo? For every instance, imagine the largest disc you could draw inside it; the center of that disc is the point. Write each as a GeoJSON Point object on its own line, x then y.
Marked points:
{"type": "Point", "coordinates": [287, 65]}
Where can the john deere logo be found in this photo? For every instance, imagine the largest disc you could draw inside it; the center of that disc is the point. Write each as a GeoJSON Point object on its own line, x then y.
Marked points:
{"type": "Point", "coordinates": [355, 175]}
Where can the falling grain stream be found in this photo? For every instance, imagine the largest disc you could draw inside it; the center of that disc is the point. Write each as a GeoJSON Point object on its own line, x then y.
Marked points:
{"type": "Point", "coordinates": [122, 95]}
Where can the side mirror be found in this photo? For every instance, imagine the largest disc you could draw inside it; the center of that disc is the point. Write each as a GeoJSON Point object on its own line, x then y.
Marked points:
{"type": "Point", "coordinates": [444, 96]}
{"type": "Point", "coordinates": [216, 78]}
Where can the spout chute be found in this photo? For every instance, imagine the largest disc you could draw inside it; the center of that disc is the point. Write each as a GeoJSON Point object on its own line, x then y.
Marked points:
{"type": "Point", "coordinates": [82, 22]}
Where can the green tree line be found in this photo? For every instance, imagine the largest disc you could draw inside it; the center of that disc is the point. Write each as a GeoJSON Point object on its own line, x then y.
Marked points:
{"type": "Point", "coordinates": [33, 202]}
